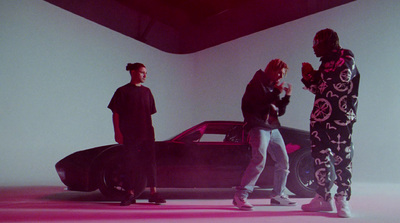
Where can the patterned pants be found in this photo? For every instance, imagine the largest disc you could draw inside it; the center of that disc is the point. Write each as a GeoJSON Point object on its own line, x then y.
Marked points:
{"type": "Point", "coordinates": [329, 141]}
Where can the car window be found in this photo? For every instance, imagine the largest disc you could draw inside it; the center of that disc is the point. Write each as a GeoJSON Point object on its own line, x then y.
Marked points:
{"type": "Point", "coordinates": [235, 134]}
{"type": "Point", "coordinates": [214, 132]}
{"type": "Point", "coordinates": [223, 133]}
{"type": "Point", "coordinates": [192, 137]}
{"type": "Point", "coordinates": [212, 138]}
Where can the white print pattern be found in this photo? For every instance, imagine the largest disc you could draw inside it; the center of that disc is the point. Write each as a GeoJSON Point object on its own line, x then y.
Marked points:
{"type": "Point", "coordinates": [321, 176]}
{"type": "Point", "coordinates": [323, 110]}
{"type": "Point", "coordinates": [315, 134]}
{"type": "Point", "coordinates": [338, 160]}
{"type": "Point", "coordinates": [341, 87]}
{"type": "Point", "coordinates": [322, 87]}
{"type": "Point", "coordinates": [339, 63]}
{"type": "Point", "coordinates": [343, 103]}
{"type": "Point", "coordinates": [350, 87]}
{"type": "Point", "coordinates": [339, 174]}
{"type": "Point", "coordinates": [342, 123]}
{"type": "Point", "coordinates": [345, 75]}
{"type": "Point", "coordinates": [348, 151]}
{"type": "Point", "coordinates": [338, 142]}
{"type": "Point", "coordinates": [330, 94]}
{"type": "Point", "coordinates": [329, 126]}
{"type": "Point", "coordinates": [351, 115]}
{"type": "Point", "coordinates": [318, 161]}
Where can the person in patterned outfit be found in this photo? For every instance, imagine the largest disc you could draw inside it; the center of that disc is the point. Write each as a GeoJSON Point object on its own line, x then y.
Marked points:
{"type": "Point", "coordinates": [335, 85]}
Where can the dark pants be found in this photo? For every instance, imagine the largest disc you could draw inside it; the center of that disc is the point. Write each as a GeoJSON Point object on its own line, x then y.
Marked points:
{"type": "Point", "coordinates": [139, 159]}
{"type": "Point", "coordinates": [331, 140]}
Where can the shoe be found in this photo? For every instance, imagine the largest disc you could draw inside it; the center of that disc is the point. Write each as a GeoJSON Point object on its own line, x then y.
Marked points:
{"type": "Point", "coordinates": [156, 198]}
{"type": "Point", "coordinates": [282, 200]}
{"type": "Point", "coordinates": [242, 203]}
{"type": "Point", "coordinates": [317, 204]}
{"type": "Point", "coordinates": [128, 200]}
{"type": "Point", "coordinates": [342, 206]}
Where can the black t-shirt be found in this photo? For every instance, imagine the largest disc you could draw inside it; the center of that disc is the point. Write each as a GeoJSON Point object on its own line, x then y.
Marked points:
{"type": "Point", "coordinates": [134, 105]}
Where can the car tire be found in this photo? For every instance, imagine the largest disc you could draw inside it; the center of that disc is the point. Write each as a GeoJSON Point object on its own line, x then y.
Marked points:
{"type": "Point", "coordinates": [111, 176]}
{"type": "Point", "coordinates": [301, 177]}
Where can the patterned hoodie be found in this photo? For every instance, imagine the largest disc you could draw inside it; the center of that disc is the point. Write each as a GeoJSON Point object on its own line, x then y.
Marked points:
{"type": "Point", "coordinates": [335, 85]}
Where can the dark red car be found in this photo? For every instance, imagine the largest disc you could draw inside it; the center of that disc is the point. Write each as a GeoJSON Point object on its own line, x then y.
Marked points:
{"type": "Point", "coordinates": [212, 154]}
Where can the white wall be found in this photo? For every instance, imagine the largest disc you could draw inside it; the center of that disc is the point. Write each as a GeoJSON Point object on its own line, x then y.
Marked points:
{"type": "Point", "coordinates": [370, 29]}
{"type": "Point", "coordinates": [58, 72]}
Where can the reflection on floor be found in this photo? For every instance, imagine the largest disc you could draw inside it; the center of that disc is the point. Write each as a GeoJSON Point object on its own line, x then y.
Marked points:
{"type": "Point", "coordinates": [370, 203]}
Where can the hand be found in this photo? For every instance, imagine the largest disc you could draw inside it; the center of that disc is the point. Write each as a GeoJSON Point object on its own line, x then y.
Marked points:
{"type": "Point", "coordinates": [279, 87]}
{"type": "Point", "coordinates": [306, 71]}
{"type": "Point", "coordinates": [288, 89]}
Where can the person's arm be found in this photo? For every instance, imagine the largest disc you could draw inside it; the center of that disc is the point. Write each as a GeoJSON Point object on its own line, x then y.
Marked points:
{"type": "Point", "coordinates": [311, 77]}
{"type": "Point", "coordinates": [283, 102]}
{"type": "Point", "coordinates": [117, 131]}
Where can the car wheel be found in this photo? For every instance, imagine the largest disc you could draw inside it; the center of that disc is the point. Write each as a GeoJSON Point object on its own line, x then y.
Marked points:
{"type": "Point", "coordinates": [301, 177]}
{"type": "Point", "coordinates": [111, 178]}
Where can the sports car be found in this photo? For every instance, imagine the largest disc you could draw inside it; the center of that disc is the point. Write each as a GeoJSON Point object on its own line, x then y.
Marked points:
{"type": "Point", "coordinates": [212, 154]}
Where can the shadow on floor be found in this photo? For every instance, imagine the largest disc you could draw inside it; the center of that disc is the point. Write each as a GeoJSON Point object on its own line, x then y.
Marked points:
{"type": "Point", "coordinates": [167, 193]}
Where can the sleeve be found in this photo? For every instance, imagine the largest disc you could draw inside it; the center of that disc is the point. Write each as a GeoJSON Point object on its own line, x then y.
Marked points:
{"type": "Point", "coordinates": [115, 103]}
{"type": "Point", "coordinates": [153, 109]}
{"type": "Point", "coordinates": [346, 68]}
{"type": "Point", "coordinates": [342, 72]}
{"type": "Point", "coordinates": [281, 104]}
{"type": "Point", "coordinates": [257, 100]}
{"type": "Point", "coordinates": [312, 84]}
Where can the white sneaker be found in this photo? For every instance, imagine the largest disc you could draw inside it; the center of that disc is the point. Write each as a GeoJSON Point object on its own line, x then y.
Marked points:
{"type": "Point", "coordinates": [317, 204]}
{"type": "Point", "coordinates": [342, 206]}
{"type": "Point", "coordinates": [242, 203]}
{"type": "Point", "coordinates": [282, 200]}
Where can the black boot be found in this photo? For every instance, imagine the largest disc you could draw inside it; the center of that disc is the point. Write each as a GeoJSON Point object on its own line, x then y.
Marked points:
{"type": "Point", "coordinates": [156, 198]}
{"type": "Point", "coordinates": [128, 200]}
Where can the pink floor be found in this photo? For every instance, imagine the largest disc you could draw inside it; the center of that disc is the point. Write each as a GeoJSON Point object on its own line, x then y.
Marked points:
{"type": "Point", "coordinates": [370, 203]}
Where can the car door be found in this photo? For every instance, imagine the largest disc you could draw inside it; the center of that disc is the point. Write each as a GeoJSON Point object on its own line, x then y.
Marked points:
{"type": "Point", "coordinates": [210, 155]}
{"type": "Point", "coordinates": [220, 156]}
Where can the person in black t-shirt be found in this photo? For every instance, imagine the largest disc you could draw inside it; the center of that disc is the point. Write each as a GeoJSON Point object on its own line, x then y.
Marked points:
{"type": "Point", "coordinates": [132, 106]}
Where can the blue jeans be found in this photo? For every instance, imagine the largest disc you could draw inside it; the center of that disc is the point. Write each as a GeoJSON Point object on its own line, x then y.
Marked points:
{"type": "Point", "coordinates": [261, 141]}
